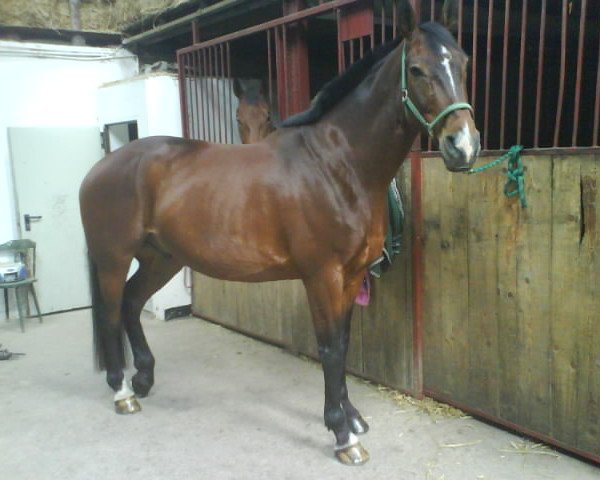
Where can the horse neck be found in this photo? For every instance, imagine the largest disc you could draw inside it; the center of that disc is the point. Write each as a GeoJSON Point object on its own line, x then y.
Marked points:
{"type": "Point", "coordinates": [374, 125]}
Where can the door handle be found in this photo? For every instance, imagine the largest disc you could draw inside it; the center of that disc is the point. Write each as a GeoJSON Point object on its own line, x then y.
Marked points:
{"type": "Point", "coordinates": [30, 218]}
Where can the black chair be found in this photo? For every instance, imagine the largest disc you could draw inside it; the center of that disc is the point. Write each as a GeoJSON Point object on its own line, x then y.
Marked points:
{"type": "Point", "coordinates": [21, 278]}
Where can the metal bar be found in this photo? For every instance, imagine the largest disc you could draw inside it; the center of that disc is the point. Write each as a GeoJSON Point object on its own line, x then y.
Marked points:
{"type": "Point", "coordinates": [213, 95]}
{"type": "Point", "coordinates": [504, 75]}
{"type": "Point", "coordinates": [524, 12]}
{"type": "Point", "coordinates": [270, 68]}
{"type": "Point", "coordinates": [203, 82]}
{"type": "Point", "coordinates": [432, 11]}
{"type": "Point", "coordinates": [474, 54]}
{"type": "Point", "coordinates": [341, 59]}
{"type": "Point", "coordinates": [226, 100]}
{"type": "Point", "coordinates": [232, 123]}
{"type": "Point", "coordinates": [291, 18]}
{"type": "Point", "coordinates": [200, 74]}
{"type": "Point", "coordinates": [193, 106]}
{"type": "Point", "coordinates": [216, 96]}
{"type": "Point", "coordinates": [563, 62]}
{"type": "Point", "coordinates": [195, 32]}
{"type": "Point", "coordinates": [285, 69]}
{"type": "Point", "coordinates": [488, 73]}
{"type": "Point", "coordinates": [460, 22]}
{"type": "Point", "coordinates": [540, 76]}
{"type": "Point", "coordinates": [579, 71]}
{"type": "Point", "coordinates": [220, 93]}
{"type": "Point", "coordinates": [182, 95]}
{"type": "Point", "coordinates": [394, 19]}
{"type": "Point", "coordinates": [383, 23]}
{"type": "Point", "coordinates": [351, 44]}
{"type": "Point", "coordinates": [191, 95]}
{"type": "Point", "coordinates": [597, 106]}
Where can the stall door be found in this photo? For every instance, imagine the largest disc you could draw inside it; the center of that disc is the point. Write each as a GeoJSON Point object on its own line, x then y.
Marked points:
{"type": "Point", "coordinates": [48, 166]}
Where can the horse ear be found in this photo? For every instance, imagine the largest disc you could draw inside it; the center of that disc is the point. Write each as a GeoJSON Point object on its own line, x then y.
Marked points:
{"type": "Point", "coordinates": [406, 18]}
{"type": "Point", "coordinates": [450, 15]}
{"type": "Point", "coordinates": [238, 89]}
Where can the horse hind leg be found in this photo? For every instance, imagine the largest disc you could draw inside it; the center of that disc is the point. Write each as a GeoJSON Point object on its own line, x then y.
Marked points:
{"type": "Point", "coordinates": [107, 281]}
{"type": "Point", "coordinates": [155, 270]}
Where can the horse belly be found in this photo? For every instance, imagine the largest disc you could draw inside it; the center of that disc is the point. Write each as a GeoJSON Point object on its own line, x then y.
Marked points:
{"type": "Point", "coordinates": [228, 249]}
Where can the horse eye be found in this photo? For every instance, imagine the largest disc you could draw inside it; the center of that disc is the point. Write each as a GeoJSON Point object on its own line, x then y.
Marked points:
{"type": "Point", "coordinates": [417, 72]}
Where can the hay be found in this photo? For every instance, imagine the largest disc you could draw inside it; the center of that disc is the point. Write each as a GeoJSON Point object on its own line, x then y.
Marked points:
{"type": "Point", "coordinates": [525, 447]}
{"type": "Point", "coordinates": [461, 445]}
{"type": "Point", "coordinates": [96, 15]}
{"type": "Point", "coordinates": [426, 405]}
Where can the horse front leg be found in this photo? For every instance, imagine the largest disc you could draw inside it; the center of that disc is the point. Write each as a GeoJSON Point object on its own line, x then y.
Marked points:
{"type": "Point", "coordinates": [356, 422]}
{"type": "Point", "coordinates": [331, 307]}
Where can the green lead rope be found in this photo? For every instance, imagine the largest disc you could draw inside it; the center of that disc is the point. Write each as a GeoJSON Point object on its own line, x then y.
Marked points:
{"type": "Point", "coordinates": [515, 185]}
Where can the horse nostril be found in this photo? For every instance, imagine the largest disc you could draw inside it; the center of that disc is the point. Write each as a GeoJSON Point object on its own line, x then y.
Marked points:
{"type": "Point", "coordinates": [450, 142]}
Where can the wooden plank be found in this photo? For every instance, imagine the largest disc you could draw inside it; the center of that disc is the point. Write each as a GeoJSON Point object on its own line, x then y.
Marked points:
{"type": "Point", "coordinates": [454, 286]}
{"type": "Point", "coordinates": [399, 325]}
{"type": "Point", "coordinates": [588, 361]}
{"type": "Point", "coordinates": [260, 310]}
{"type": "Point", "coordinates": [211, 298]}
{"type": "Point", "coordinates": [354, 361]}
{"type": "Point", "coordinates": [485, 197]}
{"type": "Point", "coordinates": [529, 394]}
{"type": "Point", "coordinates": [566, 296]}
{"type": "Point", "coordinates": [509, 234]}
{"type": "Point", "coordinates": [446, 281]}
{"type": "Point", "coordinates": [434, 366]}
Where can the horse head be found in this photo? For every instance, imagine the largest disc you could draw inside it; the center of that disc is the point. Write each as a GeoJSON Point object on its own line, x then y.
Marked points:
{"type": "Point", "coordinates": [254, 112]}
{"type": "Point", "coordinates": [433, 85]}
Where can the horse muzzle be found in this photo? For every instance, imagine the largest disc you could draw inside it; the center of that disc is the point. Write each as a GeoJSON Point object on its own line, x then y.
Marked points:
{"type": "Point", "coordinates": [460, 150]}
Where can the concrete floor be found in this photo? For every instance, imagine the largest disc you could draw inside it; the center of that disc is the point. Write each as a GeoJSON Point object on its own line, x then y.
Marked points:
{"type": "Point", "coordinates": [224, 407]}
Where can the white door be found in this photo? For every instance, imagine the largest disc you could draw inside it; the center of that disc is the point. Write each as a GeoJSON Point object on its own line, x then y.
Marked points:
{"type": "Point", "coordinates": [48, 167]}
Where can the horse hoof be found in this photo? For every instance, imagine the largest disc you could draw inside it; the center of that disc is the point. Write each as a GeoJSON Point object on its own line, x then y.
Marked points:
{"type": "Point", "coordinates": [358, 425]}
{"type": "Point", "coordinates": [352, 455]}
{"type": "Point", "coordinates": [127, 405]}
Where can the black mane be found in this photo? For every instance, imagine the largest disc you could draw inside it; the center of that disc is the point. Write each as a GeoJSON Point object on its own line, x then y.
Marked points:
{"type": "Point", "coordinates": [335, 90]}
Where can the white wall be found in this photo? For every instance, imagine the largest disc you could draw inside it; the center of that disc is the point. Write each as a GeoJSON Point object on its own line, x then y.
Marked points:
{"type": "Point", "coordinates": [48, 86]}
{"type": "Point", "coordinates": [153, 102]}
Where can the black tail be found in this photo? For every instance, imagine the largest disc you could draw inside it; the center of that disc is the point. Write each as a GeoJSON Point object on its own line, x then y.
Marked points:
{"type": "Point", "coordinates": [99, 322]}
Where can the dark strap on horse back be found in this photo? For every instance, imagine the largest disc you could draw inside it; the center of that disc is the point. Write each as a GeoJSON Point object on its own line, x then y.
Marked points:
{"type": "Point", "coordinates": [393, 237]}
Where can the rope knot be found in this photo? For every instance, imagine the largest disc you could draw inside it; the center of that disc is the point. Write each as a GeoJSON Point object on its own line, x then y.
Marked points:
{"type": "Point", "coordinates": [515, 173]}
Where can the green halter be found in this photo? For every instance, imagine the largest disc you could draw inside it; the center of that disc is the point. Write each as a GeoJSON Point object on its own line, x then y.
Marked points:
{"type": "Point", "coordinates": [413, 108]}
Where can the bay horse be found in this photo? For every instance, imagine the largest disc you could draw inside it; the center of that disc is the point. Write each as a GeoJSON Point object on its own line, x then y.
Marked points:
{"type": "Point", "coordinates": [306, 202]}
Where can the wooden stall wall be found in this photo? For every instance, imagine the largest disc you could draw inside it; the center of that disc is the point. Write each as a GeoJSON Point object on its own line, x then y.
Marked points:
{"type": "Point", "coordinates": [381, 346]}
{"type": "Point", "coordinates": [512, 307]}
